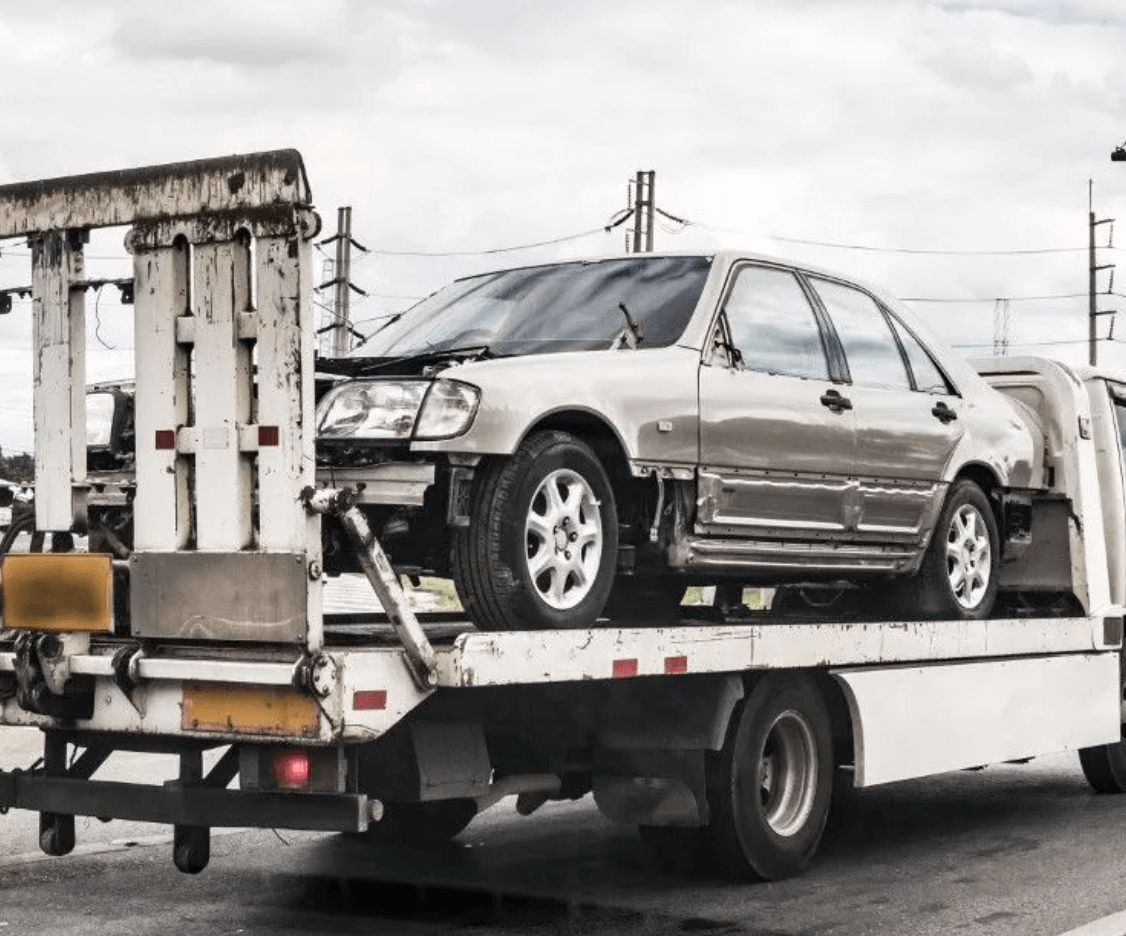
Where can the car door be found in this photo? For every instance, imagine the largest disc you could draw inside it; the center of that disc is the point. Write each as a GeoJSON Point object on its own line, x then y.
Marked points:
{"type": "Point", "coordinates": [905, 410]}
{"type": "Point", "coordinates": [776, 431]}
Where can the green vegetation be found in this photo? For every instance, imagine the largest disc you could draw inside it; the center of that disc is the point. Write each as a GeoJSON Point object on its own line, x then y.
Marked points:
{"type": "Point", "coordinates": [443, 590]}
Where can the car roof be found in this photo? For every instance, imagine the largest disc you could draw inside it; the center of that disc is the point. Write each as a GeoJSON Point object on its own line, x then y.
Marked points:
{"type": "Point", "coordinates": [725, 256]}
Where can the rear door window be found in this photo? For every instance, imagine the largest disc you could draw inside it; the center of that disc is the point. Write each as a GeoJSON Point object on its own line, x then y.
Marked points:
{"type": "Point", "coordinates": [866, 338]}
{"type": "Point", "coordinates": [928, 377]}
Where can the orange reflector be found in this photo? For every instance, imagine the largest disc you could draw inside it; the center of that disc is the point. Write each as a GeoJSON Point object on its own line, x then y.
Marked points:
{"type": "Point", "coordinates": [624, 668]}
{"type": "Point", "coordinates": [57, 591]}
{"type": "Point", "coordinates": [676, 664]}
{"type": "Point", "coordinates": [268, 435]}
{"type": "Point", "coordinates": [291, 769]}
{"type": "Point", "coordinates": [369, 700]}
{"type": "Point", "coordinates": [262, 710]}
{"type": "Point", "coordinates": [165, 439]}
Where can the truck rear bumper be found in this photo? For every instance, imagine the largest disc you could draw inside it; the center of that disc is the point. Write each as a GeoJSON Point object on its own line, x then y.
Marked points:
{"type": "Point", "coordinates": [183, 804]}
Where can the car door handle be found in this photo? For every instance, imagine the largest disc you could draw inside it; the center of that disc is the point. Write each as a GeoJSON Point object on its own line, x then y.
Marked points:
{"type": "Point", "coordinates": [943, 412]}
{"type": "Point", "coordinates": [835, 402]}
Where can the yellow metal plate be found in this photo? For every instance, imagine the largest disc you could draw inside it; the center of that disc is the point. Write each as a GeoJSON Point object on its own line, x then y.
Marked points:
{"type": "Point", "coordinates": [268, 710]}
{"type": "Point", "coordinates": [57, 591]}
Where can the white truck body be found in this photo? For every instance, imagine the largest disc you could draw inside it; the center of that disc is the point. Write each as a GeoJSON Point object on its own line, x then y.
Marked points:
{"type": "Point", "coordinates": [227, 541]}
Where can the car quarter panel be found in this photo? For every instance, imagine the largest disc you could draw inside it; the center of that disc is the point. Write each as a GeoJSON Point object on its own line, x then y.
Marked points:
{"type": "Point", "coordinates": [648, 397]}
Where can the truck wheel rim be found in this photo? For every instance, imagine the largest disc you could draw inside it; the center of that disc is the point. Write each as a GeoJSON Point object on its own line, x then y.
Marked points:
{"type": "Point", "coordinates": [968, 558]}
{"type": "Point", "coordinates": [788, 774]}
{"type": "Point", "coordinates": [563, 536]}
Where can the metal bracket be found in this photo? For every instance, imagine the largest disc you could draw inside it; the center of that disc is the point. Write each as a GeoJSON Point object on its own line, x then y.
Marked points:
{"type": "Point", "coordinates": [44, 683]}
{"type": "Point", "coordinates": [126, 663]}
{"type": "Point", "coordinates": [315, 674]}
{"type": "Point", "coordinates": [419, 653]}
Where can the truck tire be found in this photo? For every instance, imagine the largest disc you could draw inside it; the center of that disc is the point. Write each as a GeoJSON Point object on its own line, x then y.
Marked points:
{"type": "Point", "coordinates": [1105, 767]}
{"type": "Point", "coordinates": [541, 547]}
{"type": "Point", "coordinates": [960, 573]}
{"type": "Point", "coordinates": [770, 786]}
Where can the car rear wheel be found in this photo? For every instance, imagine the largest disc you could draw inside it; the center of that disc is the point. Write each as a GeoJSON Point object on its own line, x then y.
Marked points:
{"type": "Point", "coordinates": [541, 547]}
{"type": "Point", "coordinates": [960, 572]}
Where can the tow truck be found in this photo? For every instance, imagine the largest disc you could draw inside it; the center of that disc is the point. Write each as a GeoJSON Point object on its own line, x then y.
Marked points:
{"type": "Point", "coordinates": [205, 636]}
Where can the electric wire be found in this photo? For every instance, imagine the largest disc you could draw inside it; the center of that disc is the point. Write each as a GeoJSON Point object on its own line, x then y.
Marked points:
{"type": "Point", "coordinates": [844, 245]}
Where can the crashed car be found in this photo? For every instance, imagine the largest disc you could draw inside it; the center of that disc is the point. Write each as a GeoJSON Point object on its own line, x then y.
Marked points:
{"type": "Point", "coordinates": [585, 438]}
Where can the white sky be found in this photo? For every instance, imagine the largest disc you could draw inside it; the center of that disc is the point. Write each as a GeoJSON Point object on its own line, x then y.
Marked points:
{"type": "Point", "coordinates": [453, 125]}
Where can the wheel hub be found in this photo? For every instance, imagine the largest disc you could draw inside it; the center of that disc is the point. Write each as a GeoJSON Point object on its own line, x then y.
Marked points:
{"type": "Point", "coordinates": [968, 559]}
{"type": "Point", "coordinates": [788, 773]}
{"type": "Point", "coordinates": [563, 537]}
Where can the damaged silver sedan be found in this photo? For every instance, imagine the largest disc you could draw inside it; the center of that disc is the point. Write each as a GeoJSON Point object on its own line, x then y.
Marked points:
{"type": "Point", "coordinates": [587, 438]}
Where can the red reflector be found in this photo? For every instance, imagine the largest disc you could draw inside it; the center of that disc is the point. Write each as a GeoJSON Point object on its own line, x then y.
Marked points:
{"type": "Point", "coordinates": [291, 769]}
{"type": "Point", "coordinates": [624, 668]}
{"type": "Point", "coordinates": [165, 438]}
{"type": "Point", "coordinates": [267, 435]}
{"type": "Point", "coordinates": [677, 664]}
{"type": "Point", "coordinates": [369, 700]}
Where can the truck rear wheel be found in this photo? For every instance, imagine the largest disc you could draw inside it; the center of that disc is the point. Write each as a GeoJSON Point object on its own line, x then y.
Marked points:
{"type": "Point", "coordinates": [769, 787]}
{"type": "Point", "coordinates": [541, 547]}
{"type": "Point", "coordinates": [1105, 767]}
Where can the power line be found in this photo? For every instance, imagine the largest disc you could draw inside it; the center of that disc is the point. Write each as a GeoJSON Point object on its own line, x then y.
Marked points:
{"type": "Point", "coordinates": [995, 298]}
{"type": "Point", "coordinates": [914, 250]}
{"type": "Point", "coordinates": [492, 250]}
{"type": "Point", "coordinates": [844, 245]}
{"type": "Point", "coordinates": [1035, 344]}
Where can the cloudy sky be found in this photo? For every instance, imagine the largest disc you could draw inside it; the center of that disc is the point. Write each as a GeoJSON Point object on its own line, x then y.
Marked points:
{"type": "Point", "coordinates": [928, 133]}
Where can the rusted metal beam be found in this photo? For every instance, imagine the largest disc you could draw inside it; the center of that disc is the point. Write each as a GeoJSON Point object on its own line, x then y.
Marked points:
{"type": "Point", "coordinates": [419, 656]}
{"type": "Point", "coordinates": [246, 183]}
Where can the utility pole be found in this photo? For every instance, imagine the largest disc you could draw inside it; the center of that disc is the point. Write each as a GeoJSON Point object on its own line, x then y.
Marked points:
{"type": "Point", "coordinates": [1001, 319]}
{"type": "Point", "coordinates": [1093, 268]}
{"type": "Point", "coordinates": [643, 206]}
{"type": "Point", "coordinates": [341, 282]}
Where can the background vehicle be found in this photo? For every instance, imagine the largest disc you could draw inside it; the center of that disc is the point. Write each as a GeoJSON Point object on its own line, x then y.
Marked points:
{"type": "Point", "coordinates": [281, 716]}
{"type": "Point", "coordinates": [681, 419]}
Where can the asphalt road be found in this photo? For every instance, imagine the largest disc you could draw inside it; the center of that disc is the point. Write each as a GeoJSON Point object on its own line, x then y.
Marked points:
{"type": "Point", "coordinates": [1010, 849]}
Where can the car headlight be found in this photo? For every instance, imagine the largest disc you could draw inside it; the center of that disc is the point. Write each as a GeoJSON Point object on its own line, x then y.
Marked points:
{"type": "Point", "coordinates": [396, 409]}
{"type": "Point", "coordinates": [371, 409]}
{"type": "Point", "coordinates": [449, 409]}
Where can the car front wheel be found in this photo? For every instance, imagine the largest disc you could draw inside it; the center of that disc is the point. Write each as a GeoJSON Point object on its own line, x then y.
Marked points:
{"type": "Point", "coordinates": [541, 547]}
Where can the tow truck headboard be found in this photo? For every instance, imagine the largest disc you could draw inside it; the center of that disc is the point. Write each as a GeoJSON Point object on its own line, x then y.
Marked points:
{"type": "Point", "coordinates": [223, 337]}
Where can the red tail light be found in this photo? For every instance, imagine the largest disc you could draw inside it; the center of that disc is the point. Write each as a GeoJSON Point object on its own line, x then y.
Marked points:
{"type": "Point", "coordinates": [291, 769]}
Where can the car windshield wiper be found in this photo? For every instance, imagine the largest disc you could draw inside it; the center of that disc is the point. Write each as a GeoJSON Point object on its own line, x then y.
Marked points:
{"type": "Point", "coordinates": [630, 336]}
{"type": "Point", "coordinates": [477, 352]}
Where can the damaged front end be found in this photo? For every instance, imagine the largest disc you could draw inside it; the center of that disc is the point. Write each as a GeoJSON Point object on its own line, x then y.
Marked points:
{"type": "Point", "coordinates": [365, 427]}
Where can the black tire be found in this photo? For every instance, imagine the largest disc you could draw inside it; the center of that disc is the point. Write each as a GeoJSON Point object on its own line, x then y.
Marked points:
{"type": "Point", "coordinates": [435, 821]}
{"type": "Point", "coordinates": [770, 786]}
{"type": "Point", "coordinates": [491, 558]}
{"type": "Point", "coordinates": [25, 524]}
{"type": "Point", "coordinates": [640, 598]}
{"type": "Point", "coordinates": [1105, 767]}
{"type": "Point", "coordinates": [931, 592]}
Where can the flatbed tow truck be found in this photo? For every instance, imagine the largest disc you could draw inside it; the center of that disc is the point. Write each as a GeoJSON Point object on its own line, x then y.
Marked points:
{"type": "Point", "coordinates": [208, 639]}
